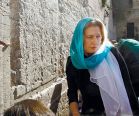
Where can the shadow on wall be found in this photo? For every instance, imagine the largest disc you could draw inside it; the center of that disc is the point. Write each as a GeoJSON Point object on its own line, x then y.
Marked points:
{"type": "Point", "coordinates": [56, 98]}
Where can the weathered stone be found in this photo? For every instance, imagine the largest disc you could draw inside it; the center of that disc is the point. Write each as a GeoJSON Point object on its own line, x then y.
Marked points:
{"type": "Point", "coordinates": [40, 32]}
{"type": "Point", "coordinates": [20, 90]}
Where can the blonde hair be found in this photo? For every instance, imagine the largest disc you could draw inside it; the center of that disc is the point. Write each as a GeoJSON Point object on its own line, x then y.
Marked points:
{"type": "Point", "coordinates": [98, 23]}
{"type": "Point", "coordinates": [28, 107]}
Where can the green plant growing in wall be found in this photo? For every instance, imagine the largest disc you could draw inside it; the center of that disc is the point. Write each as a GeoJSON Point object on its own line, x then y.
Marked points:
{"type": "Point", "coordinates": [103, 3]}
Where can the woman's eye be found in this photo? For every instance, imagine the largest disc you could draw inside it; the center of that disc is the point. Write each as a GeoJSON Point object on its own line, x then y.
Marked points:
{"type": "Point", "coordinates": [89, 37]}
{"type": "Point", "coordinates": [98, 36]}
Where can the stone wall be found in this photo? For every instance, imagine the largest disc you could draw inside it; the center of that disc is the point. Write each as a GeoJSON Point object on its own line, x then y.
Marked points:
{"type": "Point", "coordinates": [5, 79]}
{"type": "Point", "coordinates": [40, 33]}
{"type": "Point", "coordinates": [125, 11]}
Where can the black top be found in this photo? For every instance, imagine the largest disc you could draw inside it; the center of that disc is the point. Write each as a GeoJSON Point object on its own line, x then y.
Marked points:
{"type": "Point", "coordinates": [80, 79]}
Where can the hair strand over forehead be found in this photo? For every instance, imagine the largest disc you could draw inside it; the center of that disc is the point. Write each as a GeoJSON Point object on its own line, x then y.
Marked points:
{"type": "Point", "coordinates": [99, 24]}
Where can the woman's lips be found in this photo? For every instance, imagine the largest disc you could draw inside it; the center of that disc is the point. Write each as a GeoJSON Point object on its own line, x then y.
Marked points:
{"type": "Point", "coordinates": [93, 47]}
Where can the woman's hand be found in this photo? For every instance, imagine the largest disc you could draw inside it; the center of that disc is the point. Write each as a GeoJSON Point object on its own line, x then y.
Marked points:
{"type": "Point", "coordinates": [74, 109]}
{"type": "Point", "coordinates": [75, 114]}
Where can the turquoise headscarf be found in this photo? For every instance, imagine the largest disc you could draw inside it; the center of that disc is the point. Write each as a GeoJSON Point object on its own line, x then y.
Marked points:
{"type": "Point", "coordinates": [77, 49]}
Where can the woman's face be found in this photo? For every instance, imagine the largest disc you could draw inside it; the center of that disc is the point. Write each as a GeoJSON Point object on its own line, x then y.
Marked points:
{"type": "Point", "coordinates": [92, 39]}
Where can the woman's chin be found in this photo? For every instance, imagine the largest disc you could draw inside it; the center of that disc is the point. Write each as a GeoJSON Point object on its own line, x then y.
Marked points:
{"type": "Point", "coordinates": [90, 53]}
{"type": "Point", "coordinates": [93, 51]}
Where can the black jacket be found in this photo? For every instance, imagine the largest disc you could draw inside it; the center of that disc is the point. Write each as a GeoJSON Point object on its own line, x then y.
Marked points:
{"type": "Point", "coordinates": [79, 79]}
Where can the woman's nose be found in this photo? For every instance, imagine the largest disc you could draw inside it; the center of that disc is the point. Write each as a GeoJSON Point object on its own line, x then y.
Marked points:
{"type": "Point", "coordinates": [94, 39]}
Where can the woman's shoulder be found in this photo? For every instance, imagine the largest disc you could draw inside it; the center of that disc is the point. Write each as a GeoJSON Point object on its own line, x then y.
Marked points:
{"type": "Point", "coordinates": [71, 71]}
{"type": "Point", "coordinates": [68, 60]}
{"type": "Point", "coordinates": [69, 65]}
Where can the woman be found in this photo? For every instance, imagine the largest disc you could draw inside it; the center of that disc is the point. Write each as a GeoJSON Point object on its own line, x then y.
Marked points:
{"type": "Point", "coordinates": [98, 70]}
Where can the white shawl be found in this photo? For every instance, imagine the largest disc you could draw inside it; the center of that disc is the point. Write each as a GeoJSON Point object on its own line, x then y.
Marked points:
{"type": "Point", "coordinates": [107, 76]}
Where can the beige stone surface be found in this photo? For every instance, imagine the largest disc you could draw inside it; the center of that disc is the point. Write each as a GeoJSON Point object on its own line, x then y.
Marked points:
{"type": "Point", "coordinates": [40, 33]}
